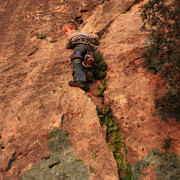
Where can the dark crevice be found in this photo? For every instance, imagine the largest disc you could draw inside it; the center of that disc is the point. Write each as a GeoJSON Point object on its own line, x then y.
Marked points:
{"type": "Point", "coordinates": [2, 147]}
{"type": "Point", "coordinates": [84, 10]}
{"type": "Point", "coordinates": [78, 20]}
{"type": "Point", "coordinates": [30, 54]}
{"type": "Point", "coordinates": [54, 164]}
{"type": "Point", "coordinates": [13, 158]}
{"type": "Point", "coordinates": [9, 68]}
{"type": "Point", "coordinates": [18, 118]}
{"type": "Point", "coordinates": [100, 33]}
{"type": "Point", "coordinates": [135, 2]}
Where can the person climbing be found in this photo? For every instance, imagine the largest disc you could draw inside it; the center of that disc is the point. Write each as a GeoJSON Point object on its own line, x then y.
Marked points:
{"type": "Point", "coordinates": [81, 43]}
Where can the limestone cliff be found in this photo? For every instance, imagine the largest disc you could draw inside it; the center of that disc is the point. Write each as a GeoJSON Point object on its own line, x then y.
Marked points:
{"type": "Point", "coordinates": [36, 102]}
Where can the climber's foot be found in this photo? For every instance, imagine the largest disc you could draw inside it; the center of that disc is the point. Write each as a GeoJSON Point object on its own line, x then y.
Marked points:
{"type": "Point", "coordinates": [89, 75]}
{"type": "Point", "coordinates": [80, 84]}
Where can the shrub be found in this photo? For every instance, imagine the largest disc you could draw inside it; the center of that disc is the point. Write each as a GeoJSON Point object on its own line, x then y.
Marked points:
{"type": "Point", "coordinates": [99, 66]}
{"type": "Point", "coordinates": [162, 54]}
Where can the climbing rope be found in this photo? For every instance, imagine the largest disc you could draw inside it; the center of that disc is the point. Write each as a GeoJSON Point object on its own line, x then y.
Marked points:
{"type": "Point", "coordinates": [98, 17]}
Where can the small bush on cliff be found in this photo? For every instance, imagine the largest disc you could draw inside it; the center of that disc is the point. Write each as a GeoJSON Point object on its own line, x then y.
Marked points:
{"type": "Point", "coordinates": [162, 55]}
{"type": "Point", "coordinates": [99, 65]}
{"type": "Point", "coordinates": [40, 36]}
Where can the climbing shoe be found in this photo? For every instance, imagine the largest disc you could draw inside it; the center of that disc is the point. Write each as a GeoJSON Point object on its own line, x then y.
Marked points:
{"type": "Point", "coordinates": [80, 84]}
{"type": "Point", "coordinates": [89, 75]}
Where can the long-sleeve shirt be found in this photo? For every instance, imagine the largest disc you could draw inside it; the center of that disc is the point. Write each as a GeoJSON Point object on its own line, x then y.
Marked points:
{"type": "Point", "coordinates": [76, 33]}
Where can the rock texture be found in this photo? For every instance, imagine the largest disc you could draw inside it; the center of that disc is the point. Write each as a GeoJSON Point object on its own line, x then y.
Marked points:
{"type": "Point", "coordinates": [153, 161]}
{"type": "Point", "coordinates": [62, 164]}
{"type": "Point", "coordinates": [35, 96]}
{"type": "Point", "coordinates": [130, 88]}
{"type": "Point", "coordinates": [34, 90]}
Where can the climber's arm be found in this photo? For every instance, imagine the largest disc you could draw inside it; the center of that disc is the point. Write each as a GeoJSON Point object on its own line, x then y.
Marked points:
{"type": "Point", "coordinates": [94, 37]}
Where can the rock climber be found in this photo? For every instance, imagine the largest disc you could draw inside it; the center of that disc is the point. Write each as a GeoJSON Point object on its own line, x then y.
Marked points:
{"type": "Point", "coordinates": [80, 42]}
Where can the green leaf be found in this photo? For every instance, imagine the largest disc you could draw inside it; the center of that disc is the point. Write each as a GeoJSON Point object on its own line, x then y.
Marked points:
{"type": "Point", "coordinates": [114, 134]}
{"type": "Point", "coordinates": [119, 162]}
{"type": "Point", "coordinates": [109, 115]}
{"type": "Point", "coordinates": [118, 139]}
{"type": "Point", "coordinates": [107, 120]}
{"type": "Point", "coordinates": [103, 82]}
{"type": "Point", "coordinates": [112, 148]}
{"type": "Point", "coordinates": [94, 155]}
{"type": "Point", "coordinates": [99, 93]}
{"type": "Point", "coordinates": [115, 128]}
{"type": "Point", "coordinates": [43, 36]}
{"type": "Point", "coordinates": [110, 123]}
{"type": "Point", "coordinates": [92, 170]}
{"type": "Point", "coordinates": [124, 166]}
{"type": "Point", "coordinates": [107, 109]}
{"type": "Point", "coordinates": [122, 136]}
{"type": "Point", "coordinates": [110, 129]}
{"type": "Point", "coordinates": [98, 87]}
{"type": "Point", "coordinates": [118, 155]}
{"type": "Point", "coordinates": [125, 149]}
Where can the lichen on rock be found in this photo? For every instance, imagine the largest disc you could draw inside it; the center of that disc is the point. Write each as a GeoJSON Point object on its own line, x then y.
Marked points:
{"type": "Point", "coordinates": [167, 165]}
{"type": "Point", "coordinates": [62, 163]}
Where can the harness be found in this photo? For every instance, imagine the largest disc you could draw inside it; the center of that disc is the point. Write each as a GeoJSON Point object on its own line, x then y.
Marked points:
{"type": "Point", "coordinates": [84, 40]}
{"type": "Point", "coordinates": [88, 58]}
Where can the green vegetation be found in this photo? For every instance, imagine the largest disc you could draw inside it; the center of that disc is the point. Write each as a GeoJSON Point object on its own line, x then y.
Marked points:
{"type": "Point", "coordinates": [116, 143]}
{"type": "Point", "coordinates": [167, 143]}
{"type": "Point", "coordinates": [101, 88]}
{"type": "Point", "coordinates": [115, 140]}
{"type": "Point", "coordinates": [40, 36]}
{"type": "Point", "coordinates": [162, 54]}
{"type": "Point", "coordinates": [94, 156]}
{"type": "Point", "coordinates": [92, 170]}
{"type": "Point", "coordinates": [99, 66]}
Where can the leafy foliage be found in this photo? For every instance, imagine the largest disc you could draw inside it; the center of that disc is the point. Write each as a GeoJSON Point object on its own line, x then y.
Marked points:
{"type": "Point", "coordinates": [101, 88]}
{"type": "Point", "coordinates": [162, 54]}
{"type": "Point", "coordinates": [99, 65]}
{"type": "Point", "coordinates": [94, 155]}
{"type": "Point", "coordinates": [116, 143]}
{"type": "Point", "coordinates": [40, 36]}
{"type": "Point", "coordinates": [92, 170]}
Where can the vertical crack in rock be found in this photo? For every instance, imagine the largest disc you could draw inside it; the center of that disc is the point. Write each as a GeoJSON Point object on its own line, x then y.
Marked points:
{"type": "Point", "coordinates": [100, 33]}
{"type": "Point", "coordinates": [13, 158]}
{"type": "Point", "coordinates": [135, 2]}
{"type": "Point", "coordinates": [106, 27]}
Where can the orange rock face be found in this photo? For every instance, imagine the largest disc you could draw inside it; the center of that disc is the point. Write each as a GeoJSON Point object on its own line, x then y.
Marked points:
{"type": "Point", "coordinates": [34, 91]}
{"type": "Point", "coordinates": [131, 89]}
{"type": "Point", "coordinates": [35, 96]}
